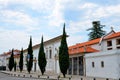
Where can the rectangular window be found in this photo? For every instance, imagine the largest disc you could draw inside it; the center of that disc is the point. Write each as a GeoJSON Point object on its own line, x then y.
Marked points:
{"type": "Point", "coordinates": [102, 64]}
{"type": "Point", "coordinates": [50, 56]}
{"type": "Point", "coordinates": [118, 42]}
{"type": "Point", "coordinates": [93, 64]}
{"type": "Point", "coordinates": [109, 43]}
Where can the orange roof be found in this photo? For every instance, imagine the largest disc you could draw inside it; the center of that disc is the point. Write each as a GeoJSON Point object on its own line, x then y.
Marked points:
{"type": "Point", "coordinates": [95, 41]}
{"type": "Point", "coordinates": [83, 47]}
{"type": "Point", "coordinates": [82, 50]}
{"type": "Point", "coordinates": [117, 34]}
{"type": "Point", "coordinates": [8, 53]}
{"type": "Point", "coordinates": [17, 56]}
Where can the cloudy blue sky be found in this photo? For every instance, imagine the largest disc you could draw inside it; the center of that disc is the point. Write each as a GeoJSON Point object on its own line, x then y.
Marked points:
{"type": "Point", "coordinates": [21, 18]}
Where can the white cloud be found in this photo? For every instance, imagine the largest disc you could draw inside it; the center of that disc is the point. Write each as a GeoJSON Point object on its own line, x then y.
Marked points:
{"type": "Point", "coordinates": [80, 26]}
{"type": "Point", "coordinates": [56, 16]}
{"type": "Point", "coordinates": [18, 18]}
{"type": "Point", "coordinates": [53, 9]}
{"type": "Point", "coordinates": [74, 39]}
{"type": "Point", "coordinates": [98, 12]}
{"type": "Point", "coordinates": [39, 5]}
{"type": "Point", "coordinates": [87, 6]}
{"type": "Point", "coordinates": [13, 39]}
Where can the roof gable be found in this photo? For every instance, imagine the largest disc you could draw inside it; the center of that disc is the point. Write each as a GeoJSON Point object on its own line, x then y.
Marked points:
{"type": "Point", "coordinates": [117, 34]}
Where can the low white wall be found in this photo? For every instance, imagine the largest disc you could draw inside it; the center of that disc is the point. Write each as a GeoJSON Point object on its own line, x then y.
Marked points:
{"type": "Point", "coordinates": [111, 64]}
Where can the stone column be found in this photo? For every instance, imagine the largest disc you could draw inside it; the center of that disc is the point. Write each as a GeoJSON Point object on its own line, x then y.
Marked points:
{"type": "Point", "coordinates": [72, 65]}
{"type": "Point", "coordinates": [78, 65]}
{"type": "Point", "coordinates": [84, 66]}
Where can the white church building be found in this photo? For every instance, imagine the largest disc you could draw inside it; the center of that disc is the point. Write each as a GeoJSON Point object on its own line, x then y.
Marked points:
{"type": "Point", "coordinates": [51, 48]}
{"type": "Point", "coordinates": [105, 62]}
{"type": "Point", "coordinates": [97, 58]}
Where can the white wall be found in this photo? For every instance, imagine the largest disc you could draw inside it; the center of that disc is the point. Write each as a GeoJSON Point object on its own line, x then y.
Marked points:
{"type": "Point", "coordinates": [52, 63]}
{"type": "Point", "coordinates": [96, 46]}
{"type": "Point", "coordinates": [111, 66]}
{"type": "Point", "coordinates": [104, 44]}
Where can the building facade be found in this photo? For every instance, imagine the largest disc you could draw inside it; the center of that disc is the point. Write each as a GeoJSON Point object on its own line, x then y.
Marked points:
{"type": "Point", "coordinates": [4, 58]}
{"type": "Point", "coordinates": [77, 53]}
{"type": "Point", "coordinates": [97, 58]}
{"type": "Point", "coordinates": [51, 48]}
{"type": "Point", "coordinates": [106, 62]}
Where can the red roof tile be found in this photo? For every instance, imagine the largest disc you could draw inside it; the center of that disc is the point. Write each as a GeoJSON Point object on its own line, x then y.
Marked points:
{"type": "Point", "coordinates": [8, 53]}
{"type": "Point", "coordinates": [82, 50]}
{"type": "Point", "coordinates": [95, 41]}
{"type": "Point", "coordinates": [83, 47]}
{"type": "Point", "coordinates": [117, 34]}
{"type": "Point", "coordinates": [17, 56]}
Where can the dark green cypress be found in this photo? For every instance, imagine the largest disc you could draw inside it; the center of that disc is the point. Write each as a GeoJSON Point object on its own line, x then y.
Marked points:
{"type": "Point", "coordinates": [63, 54]}
{"type": "Point", "coordinates": [21, 60]}
{"type": "Point", "coordinates": [11, 61]}
{"type": "Point", "coordinates": [30, 54]}
{"type": "Point", "coordinates": [96, 30]}
{"type": "Point", "coordinates": [41, 57]}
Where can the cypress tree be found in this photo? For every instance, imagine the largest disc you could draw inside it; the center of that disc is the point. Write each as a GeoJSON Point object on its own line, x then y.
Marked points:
{"type": "Point", "coordinates": [21, 60]}
{"type": "Point", "coordinates": [30, 56]}
{"type": "Point", "coordinates": [63, 54]}
{"type": "Point", "coordinates": [11, 61]}
{"type": "Point", "coordinates": [96, 30]}
{"type": "Point", "coordinates": [41, 57]}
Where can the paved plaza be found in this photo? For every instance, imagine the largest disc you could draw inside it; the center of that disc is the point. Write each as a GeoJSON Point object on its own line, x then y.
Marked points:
{"type": "Point", "coordinates": [8, 77]}
{"type": "Point", "coordinates": [17, 76]}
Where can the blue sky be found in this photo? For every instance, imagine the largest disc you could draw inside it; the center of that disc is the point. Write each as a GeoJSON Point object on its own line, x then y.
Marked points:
{"type": "Point", "coordinates": [20, 19]}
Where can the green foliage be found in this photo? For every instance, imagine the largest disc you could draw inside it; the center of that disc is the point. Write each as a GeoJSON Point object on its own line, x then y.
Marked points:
{"type": "Point", "coordinates": [30, 53]}
{"type": "Point", "coordinates": [11, 61]}
{"type": "Point", "coordinates": [21, 60]}
{"type": "Point", "coordinates": [63, 54]}
{"type": "Point", "coordinates": [96, 30]}
{"type": "Point", "coordinates": [41, 58]}
{"type": "Point", "coordinates": [15, 66]}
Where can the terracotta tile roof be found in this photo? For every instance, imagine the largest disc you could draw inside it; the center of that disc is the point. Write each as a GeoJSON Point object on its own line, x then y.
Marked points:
{"type": "Point", "coordinates": [117, 34]}
{"type": "Point", "coordinates": [17, 56]}
{"type": "Point", "coordinates": [95, 41]}
{"type": "Point", "coordinates": [8, 53]}
{"type": "Point", "coordinates": [82, 50]}
{"type": "Point", "coordinates": [84, 47]}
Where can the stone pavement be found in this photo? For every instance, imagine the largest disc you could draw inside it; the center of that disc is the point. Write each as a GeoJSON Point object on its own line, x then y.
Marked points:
{"type": "Point", "coordinates": [48, 76]}
{"type": "Point", "coordinates": [8, 77]}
